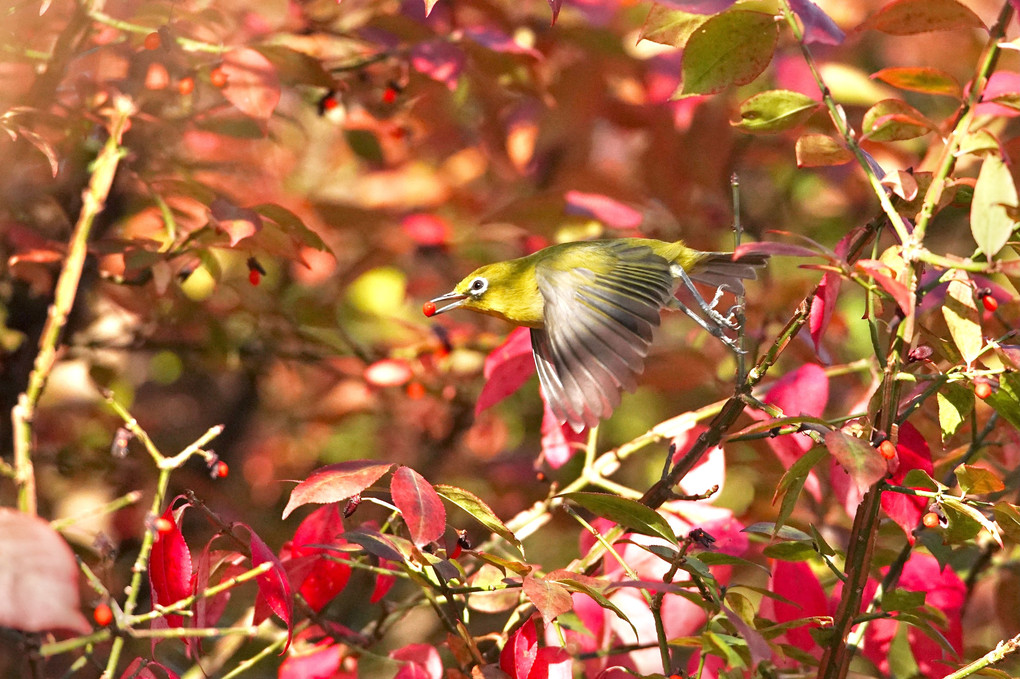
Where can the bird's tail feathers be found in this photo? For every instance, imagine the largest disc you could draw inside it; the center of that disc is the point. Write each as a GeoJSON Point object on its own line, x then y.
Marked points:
{"type": "Point", "coordinates": [720, 270]}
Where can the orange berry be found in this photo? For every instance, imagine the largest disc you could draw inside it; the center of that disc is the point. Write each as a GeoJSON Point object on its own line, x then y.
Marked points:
{"type": "Point", "coordinates": [887, 449]}
{"type": "Point", "coordinates": [218, 77]}
{"type": "Point", "coordinates": [415, 391]}
{"type": "Point", "coordinates": [428, 308]}
{"type": "Point", "coordinates": [991, 304]}
{"type": "Point", "coordinates": [152, 41]}
{"type": "Point", "coordinates": [982, 390]}
{"type": "Point", "coordinates": [222, 469]}
{"type": "Point", "coordinates": [930, 520]}
{"type": "Point", "coordinates": [186, 85]}
{"type": "Point", "coordinates": [102, 615]}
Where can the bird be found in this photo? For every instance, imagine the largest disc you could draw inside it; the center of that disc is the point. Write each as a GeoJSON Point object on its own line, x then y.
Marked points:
{"type": "Point", "coordinates": [592, 307]}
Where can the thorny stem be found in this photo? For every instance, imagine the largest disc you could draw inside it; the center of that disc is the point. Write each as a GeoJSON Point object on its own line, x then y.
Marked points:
{"type": "Point", "coordinates": [93, 202]}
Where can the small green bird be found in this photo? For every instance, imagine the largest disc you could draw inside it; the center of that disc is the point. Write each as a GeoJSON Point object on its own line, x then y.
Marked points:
{"type": "Point", "coordinates": [592, 306]}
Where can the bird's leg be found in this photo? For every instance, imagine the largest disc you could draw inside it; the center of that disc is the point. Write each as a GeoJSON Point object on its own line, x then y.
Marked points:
{"type": "Point", "coordinates": [716, 322]}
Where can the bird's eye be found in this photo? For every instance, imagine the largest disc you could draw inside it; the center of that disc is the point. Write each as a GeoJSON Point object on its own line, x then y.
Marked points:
{"type": "Point", "coordinates": [478, 286]}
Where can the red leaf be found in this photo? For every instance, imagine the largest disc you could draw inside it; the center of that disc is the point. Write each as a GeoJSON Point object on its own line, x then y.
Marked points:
{"type": "Point", "coordinates": [858, 458]}
{"type": "Point", "coordinates": [507, 367]}
{"type": "Point", "coordinates": [424, 657]}
{"type": "Point", "coordinates": [335, 482]}
{"type": "Point", "coordinates": [913, 453]}
{"type": "Point", "coordinates": [38, 577]}
{"type": "Point", "coordinates": [322, 663]}
{"type": "Point", "coordinates": [170, 568]}
{"type": "Point", "coordinates": [252, 83]}
{"type": "Point", "coordinates": [610, 212]}
{"type": "Point", "coordinates": [274, 589]}
{"type": "Point", "coordinates": [881, 273]}
{"type": "Point", "coordinates": [550, 598]}
{"type": "Point", "coordinates": [798, 583]}
{"type": "Point", "coordinates": [906, 17]}
{"type": "Point", "coordinates": [328, 574]}
{"type": "Point", "coordinates": [822, 306]}
{"type": "Point", "coordinates": [383, 583]}
{"type": "Point", "coordinates": [419, 504]}
{"type": "Point", "coordinates": [518, 656]}
{"type": "Point", "coordinates": [559, 441]}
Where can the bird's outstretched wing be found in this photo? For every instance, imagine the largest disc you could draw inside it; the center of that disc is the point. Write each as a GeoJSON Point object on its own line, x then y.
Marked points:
{"type": "Point", "coordinates": [598, 320]}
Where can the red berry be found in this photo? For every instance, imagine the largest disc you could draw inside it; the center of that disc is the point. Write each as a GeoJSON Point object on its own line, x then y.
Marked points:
{"type": "Point", "coordinates": [982, 390]}
{"type": "Point", "coordinates": [152, 41]}
{"type": "Point", "coordinates": [930, 520]}
{"type": "Point", "coordinates": [254, 277]}
{"type": "Point", "coordinates": [991, 304]}
{"type": "Point", "coordinates": [218, 77]}
{"type": "Point", "coordinates": [415, 391]}
{"type": "Point", "coordinates": [186, 85]}
{"type": "Point", "coordinates": [102, 615]}
{"type": "Point", "coordinates": [429, 308]}
{"type": "Point", "coordinates": [389, 95]}
{"type": "Point", "coordinates": [222, 470]}
{"type": "Point", "coordinates": [887, 449]}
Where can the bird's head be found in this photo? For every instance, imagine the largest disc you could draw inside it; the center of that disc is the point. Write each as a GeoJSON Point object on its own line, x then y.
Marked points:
{"type": "Point", "coordinates": [503, 289]}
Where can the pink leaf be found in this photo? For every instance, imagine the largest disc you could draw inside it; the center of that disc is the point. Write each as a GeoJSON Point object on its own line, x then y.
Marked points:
{"type": "Point", "coordinates": [322, 663]}
{"type": "Point", "coordinates": [822, 306]}
{"type": "Point", "coordinates": [426, 230]}
{"type": "Point", "coordinates": [252, 83]}
{"type": "Point", "coordinates": [507, 367]}
{"type": "Point", "coordinates": [499, 42]}
{"type": "Point", "coordinates": [38, 577]}
{"type": "Point", "coordinates": [913, 453]}
{"type": "Point", "coordinates": [419, 504]}
{"type": "Point", "coordinates": [274, 589]}
{"type": "Point", "coordinates": [422, 656]}
{"type": "Point", "coordinates": [237, 222]}
{"type": "Point", "coordinates": [610, 212]}
{"type": "Point", "coordinates": [170, 567]}
{"type": "Point", "coordinates": [335, 482]}
{"type": "Point", "coordinates": [773, 248]}
{"type": "Point", "coordinates": [798, 583]}
{"type": "Point", "coordinates": [818, 26]}
{"type": "Point", "coordinates": [440, 60]}
{"type": "Point", "coordinates": [559, 441]}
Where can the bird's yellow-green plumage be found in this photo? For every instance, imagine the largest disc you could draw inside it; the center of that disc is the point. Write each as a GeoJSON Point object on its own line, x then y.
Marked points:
{"type": "Point", "coordinates": [591, 307]}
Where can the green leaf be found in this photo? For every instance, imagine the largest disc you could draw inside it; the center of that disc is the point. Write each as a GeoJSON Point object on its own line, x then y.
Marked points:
{"type": "Point", "coordinates": [670, 26]}
{"type": "Point", "coordinates": [978, 480]}
{"type": "Point", "coordinates": [902, 600]}
{"type": "Point", "coordinates": [965, 522]}
{"type": "Point", "coordinates": [792, 483]}
{"type": "Point", "coordinates": [790, 551]}
{"type": "Point", "coordinates": [479, 511]}
{"type": "Point", "coordinates": [732, 48]}
{"type": "Point", "coordinates": [918, 478]}
{"type": "Point", "coordinates": [775, 111]}
{"type": "Point", "coordinates": [990, 223]}
{"type": "Point", "coordinates": [1006, 399]}
{"type": "Point", "coordinates": [821, 150]}
{"type": "Point", "coordinates": [894, 120]}
{"type": "Point", "coordinates": [859, 458]}
{"type": "Point", "coordinates": [954, 406]}
{"type": "Point", "coordinates": [979, 143]}
{"type": "Point", "coordinates": [962, 316]}
{"type": "Point", "coordinates": [293, 225]}
{"type": "Point", "coordinates": [630, 514]}
{"type": "Point", "coordinates": [906, 17]}
{"type": "Point", "coordinates": [920, 79]}
{"type": "Point", "coordinates": [365, 144]}
{"type": "Point", "coordinates": [768, 529]}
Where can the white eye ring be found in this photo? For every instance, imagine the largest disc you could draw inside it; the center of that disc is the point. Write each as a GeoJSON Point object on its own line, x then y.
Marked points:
{"type": "Point", "coordinates": [478, 286]}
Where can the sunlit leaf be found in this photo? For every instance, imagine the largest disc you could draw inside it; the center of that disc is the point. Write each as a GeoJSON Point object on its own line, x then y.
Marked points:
{"type": "Point", "coordinates": [1006, 399]}
{"type": "Point", "coordinates": [920, 79]}
{"type": "Point", "coordinates": [906, 17]}
{"type": "Point", "coordinates": [1007, 516]}
{"type": "Point", "coordinates": [729, 49]}
{"type": "Point", "coordinates": [885, 277]}
{"type": "Point", "coordinates": [336, 482]}
{"type": "Point", "coordinates": [962, 316]}
{"type": "Point", "coordinates": [775, 111]}
{"type": "Point", "coordinates": [894, 120]}
{"type": "Point", "coordinates": [792, 482]}
{"type": "Point", "coordinates": [954, 403]}
{"type": "Point", "coordinates": [549, 597]}
{"type": "Point", "coordinates": [478, 510]}
{"type": "Point", "coordinates": [821, 150]}
{"type": "Point", "coordinates": [630, 514]}
{"type": "Point", "coordinates": [419, 504]}
{"type": "Point", "coordinates": [670, 26]}
{"type": "Point", "coordinates": [978, 480]}
{"type": "Point", "coordinates": [990, 223]}
{"type": "Point", "coordinates": [952, 505]}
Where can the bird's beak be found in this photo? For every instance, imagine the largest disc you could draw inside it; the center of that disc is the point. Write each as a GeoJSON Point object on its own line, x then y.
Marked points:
{"type": "Point", "coordinates": [456, 299]}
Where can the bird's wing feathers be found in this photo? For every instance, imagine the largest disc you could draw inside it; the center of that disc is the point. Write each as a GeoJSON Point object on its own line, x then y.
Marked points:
{"type": "Point", "coordinates": [597, 329]}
